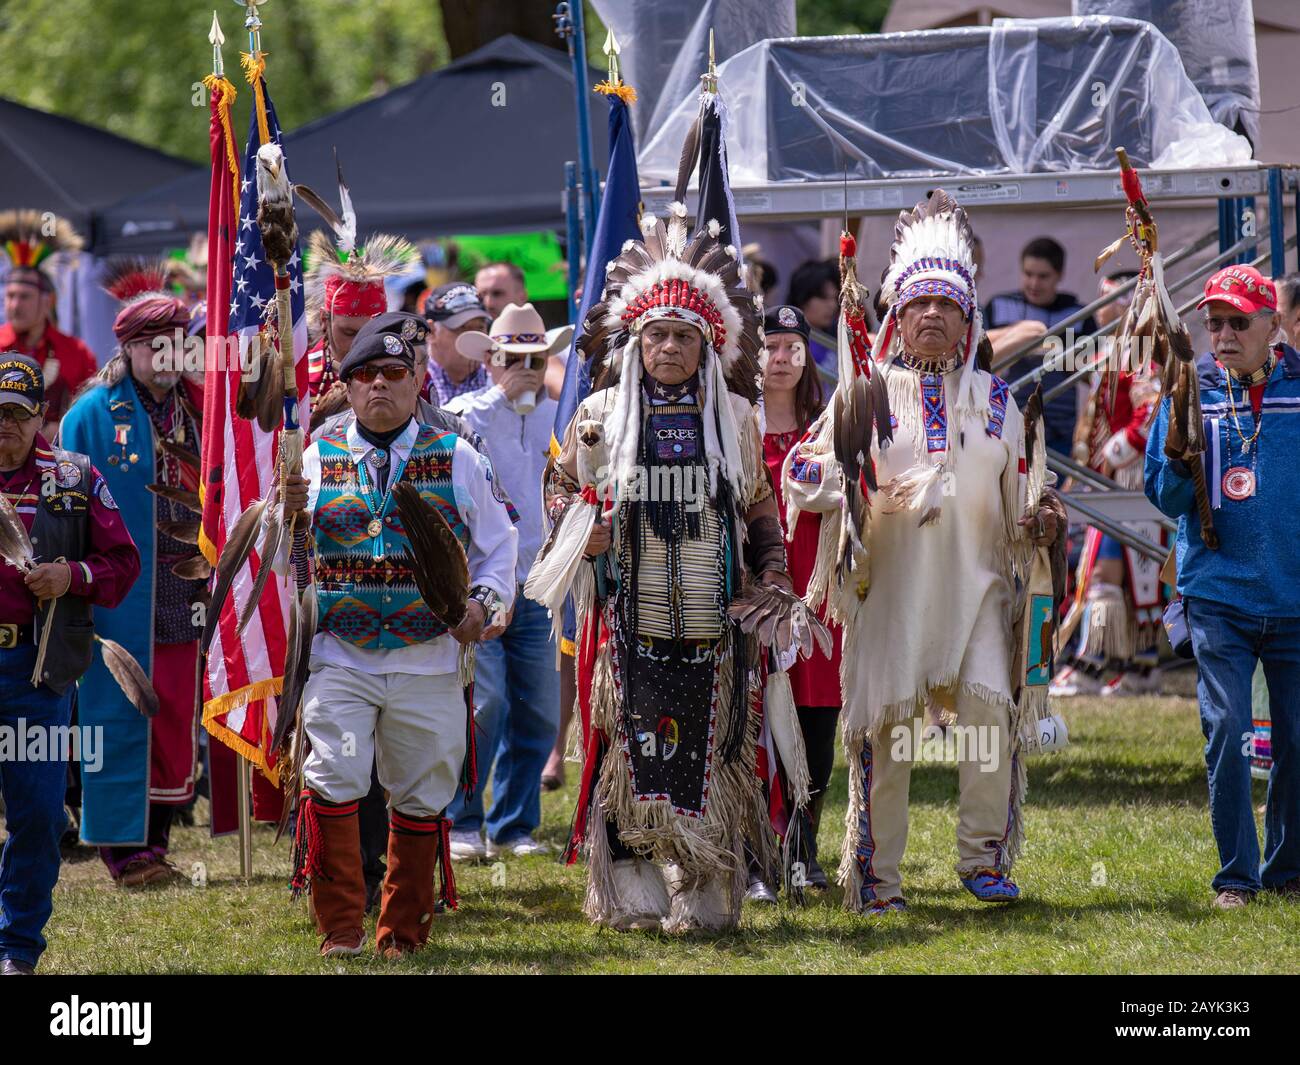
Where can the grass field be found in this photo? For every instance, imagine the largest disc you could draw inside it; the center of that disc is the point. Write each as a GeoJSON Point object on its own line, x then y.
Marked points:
{"type": "Point", "coordinates": [1115, 879]}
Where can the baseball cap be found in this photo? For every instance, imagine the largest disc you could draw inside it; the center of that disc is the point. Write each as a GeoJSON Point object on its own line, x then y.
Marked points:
{"type": "Point", "coordinates": [376, 346]}
{"type": "Point", "coordinates": [454, 304]}
{"type": "Point", "coordinates": [1243, 287]}
{"type": "Point", "coordinates": [21, 381]}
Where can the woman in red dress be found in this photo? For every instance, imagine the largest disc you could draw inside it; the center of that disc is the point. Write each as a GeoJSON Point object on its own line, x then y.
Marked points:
{"type": "Point", "coordinates": [792, 398]}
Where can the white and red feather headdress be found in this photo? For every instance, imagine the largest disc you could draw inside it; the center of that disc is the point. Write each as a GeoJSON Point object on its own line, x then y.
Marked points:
{"type": "Point", "coordinates": [933, 254]}
{"type": "Point", "coordinates": [696, 279]}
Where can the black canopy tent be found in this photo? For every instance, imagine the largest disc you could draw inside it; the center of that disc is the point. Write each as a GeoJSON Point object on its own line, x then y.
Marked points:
{"type": "Point", "coordinates": [53, 163]}
{"type": "Point", "coordinates": [478, 146]}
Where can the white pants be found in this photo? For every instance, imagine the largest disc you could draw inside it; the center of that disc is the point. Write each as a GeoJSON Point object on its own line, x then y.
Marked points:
{"type": "Point", "coordinates": [984, 795]}
{"type": "Point", "coordinates": [410, 726]}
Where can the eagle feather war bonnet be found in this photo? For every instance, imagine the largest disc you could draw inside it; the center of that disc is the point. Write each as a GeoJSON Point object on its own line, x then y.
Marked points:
{"type": "Point", "coordinates": [696, 280]}
{"type": "Point", "coordinates": [933, 254]}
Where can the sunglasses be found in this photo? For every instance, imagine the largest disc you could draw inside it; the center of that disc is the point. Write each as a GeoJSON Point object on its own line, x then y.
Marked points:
{"type": "Point", "coordinates": [368, 374]}
{"type": "Point", "coordinates": [1238, 323]}
{"type": "Point", "coordinates": [18, 415]}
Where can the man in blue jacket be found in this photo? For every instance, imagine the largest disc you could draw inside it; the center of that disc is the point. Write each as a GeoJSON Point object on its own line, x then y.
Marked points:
{"type": "Point", "coordinates": [1243, 600]}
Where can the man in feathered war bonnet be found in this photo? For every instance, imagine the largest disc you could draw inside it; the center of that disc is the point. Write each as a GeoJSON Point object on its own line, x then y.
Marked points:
{"type": "Point", "coordinates": [65, 547]}
{"type": "Point", "coordinates": [139, 420]}
{"type": "Point", "coordinates": [387, 684]}
{"type": "Point", "coordinates": [942, 555]}
{"type": "Point", "coordinates": [661, 485]}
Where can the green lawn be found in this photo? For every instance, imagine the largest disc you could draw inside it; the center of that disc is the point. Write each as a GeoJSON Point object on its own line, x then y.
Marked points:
{"type": "Point", "coordinates": [1115, 878]}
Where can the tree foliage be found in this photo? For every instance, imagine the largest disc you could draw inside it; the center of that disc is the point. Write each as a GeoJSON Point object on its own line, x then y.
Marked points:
{"type": "Point", "coordinates": [824, 18]}
{"type": "Point", "coordinates": [134, 68]}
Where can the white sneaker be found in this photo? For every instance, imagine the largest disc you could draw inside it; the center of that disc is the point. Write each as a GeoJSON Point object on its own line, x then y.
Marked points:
{"type": "Point", "coordinates": [467, 846]}
{"type": "Point", "coordinates": [523, 848]}
{"type": "Point", "coordinates": [1070, 682]}
{"type": "Point", "coordinates": [1129, 684]}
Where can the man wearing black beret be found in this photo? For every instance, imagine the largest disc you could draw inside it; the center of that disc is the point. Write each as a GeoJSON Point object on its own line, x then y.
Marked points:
{"type": "Point", "coordinates": [414, 330]}
{"type": "Point", "coordinates": [385, 688]}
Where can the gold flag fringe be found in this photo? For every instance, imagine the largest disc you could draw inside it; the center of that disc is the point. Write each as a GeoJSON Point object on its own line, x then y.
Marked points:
{"type": "Point", "coordinates": [624, 92]}
{"type": "Point", "coordinates": [255, 71]}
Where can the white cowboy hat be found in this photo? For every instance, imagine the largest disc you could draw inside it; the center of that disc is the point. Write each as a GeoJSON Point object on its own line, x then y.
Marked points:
{"type": "Point", "coordinates": [518, 331]}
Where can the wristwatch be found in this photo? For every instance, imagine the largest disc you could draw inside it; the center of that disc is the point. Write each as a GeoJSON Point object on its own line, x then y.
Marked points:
{"type": "Point", "coordinates": [488, 599]}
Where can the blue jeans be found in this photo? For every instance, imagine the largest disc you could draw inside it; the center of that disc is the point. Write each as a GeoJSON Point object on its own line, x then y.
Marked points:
{"type": "Point", "coordinates": [1228, 642]}
{"type": "Point", "coordinates": [33, 795]}
{"type": "Point", "coordinates": [517, 714]}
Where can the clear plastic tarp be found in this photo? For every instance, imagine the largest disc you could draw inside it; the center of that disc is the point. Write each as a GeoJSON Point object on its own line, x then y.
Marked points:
{"type": "Point", "coordinates": [666, 44]}
{"type": "Point", "coordinates": [1022, 96]}
{"type": "Point", "coordinates": [1217, 44]}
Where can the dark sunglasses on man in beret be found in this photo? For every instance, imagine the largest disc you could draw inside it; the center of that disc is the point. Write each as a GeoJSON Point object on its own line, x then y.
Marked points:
{"type": "Point", "coordinates": [391, 372]}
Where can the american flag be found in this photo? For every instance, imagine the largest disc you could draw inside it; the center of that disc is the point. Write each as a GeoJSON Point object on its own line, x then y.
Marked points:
{"type": "Point", "coordinates": [245, 673]}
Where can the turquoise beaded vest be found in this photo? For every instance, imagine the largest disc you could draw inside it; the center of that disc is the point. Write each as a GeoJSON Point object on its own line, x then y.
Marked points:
{"type": "Point", "coordinates": [365, 587]}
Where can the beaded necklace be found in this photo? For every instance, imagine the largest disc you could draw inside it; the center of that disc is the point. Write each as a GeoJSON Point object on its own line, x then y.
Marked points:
{"type": "Point", "coordinates": [1247, 382]}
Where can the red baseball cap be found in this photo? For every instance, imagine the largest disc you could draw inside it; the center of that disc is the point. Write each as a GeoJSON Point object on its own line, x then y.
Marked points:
{"type": "Point", "coordinates": [1242, 286]}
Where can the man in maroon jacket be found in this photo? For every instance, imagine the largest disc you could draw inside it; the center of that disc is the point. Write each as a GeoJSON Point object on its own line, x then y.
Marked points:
{"type": "Point", "coordinates": [84, 555]}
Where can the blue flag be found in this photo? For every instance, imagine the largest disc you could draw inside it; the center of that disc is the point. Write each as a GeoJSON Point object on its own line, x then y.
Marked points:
{"type": "Point", "coordinates": [616, 224]}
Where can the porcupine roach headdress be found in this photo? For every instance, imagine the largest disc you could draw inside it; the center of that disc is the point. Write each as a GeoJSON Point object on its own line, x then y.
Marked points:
{"type": "Point", "coordinates": [29, 237]}
{"type": "Point", "coordinates": [933, 255]}
{"type": "Point", "coordinates": [343, 279]}
{"type": "Point", "coordinates": [148, 307]}
{"type": "Point", "coordinates": [697, 280]}
{"type": "Point", "coordinates": [351, 282]}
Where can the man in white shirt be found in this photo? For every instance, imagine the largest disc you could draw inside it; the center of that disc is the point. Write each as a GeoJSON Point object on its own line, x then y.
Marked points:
{"type": "Point", "coordinates": [516, 690]}
{"type": "Point", "coordinates": [385, 686]}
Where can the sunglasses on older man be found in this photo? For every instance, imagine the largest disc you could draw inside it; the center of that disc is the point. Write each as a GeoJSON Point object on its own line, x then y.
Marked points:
{"type": "Point", "coordinates": [1238, 323]}
{"type": "Point", "coordinates": [370, 373]}
{"type": "Point", "coordinates": [11, 412]}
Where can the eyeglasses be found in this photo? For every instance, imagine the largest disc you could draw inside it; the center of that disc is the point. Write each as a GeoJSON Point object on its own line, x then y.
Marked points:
{"type": "Point", "coordinates": [370, 373]}
{"type": "Point", "coordinates": [16, 414]}
{"type": "Point", "coordinates": [1238, 323]}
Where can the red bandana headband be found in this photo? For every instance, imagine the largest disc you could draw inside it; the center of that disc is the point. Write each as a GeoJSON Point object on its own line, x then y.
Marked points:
{"type": "Point", "coordinates": [354, 299]}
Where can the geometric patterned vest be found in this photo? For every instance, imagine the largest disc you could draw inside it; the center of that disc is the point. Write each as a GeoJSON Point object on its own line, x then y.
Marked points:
{"type": "Point", "coordinates": [365, 589]}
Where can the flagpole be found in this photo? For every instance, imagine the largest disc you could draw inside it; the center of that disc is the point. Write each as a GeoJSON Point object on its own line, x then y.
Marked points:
{"type": "Point", "coordinates": [279, 231]}
{"type": "Point", "coordinates": [245, 785]}
{"type": "Point", "coordinates": [253, 23]}
{"type": "Point", "coordinates": [243, 776]}
{"type": "Point", "coordinates": [569, 25]}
